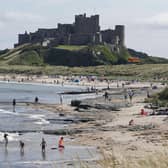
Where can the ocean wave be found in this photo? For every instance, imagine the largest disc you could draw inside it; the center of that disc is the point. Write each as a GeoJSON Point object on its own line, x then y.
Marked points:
{"type": "Point", "coordinates": [8, 112]}
{"type": "Point", "coordinates": [40, 119]}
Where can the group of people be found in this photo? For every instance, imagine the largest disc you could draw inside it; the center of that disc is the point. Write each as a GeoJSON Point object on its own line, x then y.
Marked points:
{"type": "Point", "coordinates": [21, 143]}
{"type": "Point", "coordinates": [36, 100]}
{"type": "Point", "coordinates": [129, 93]}
{"type": "Point", "coordinates": [43, 143]}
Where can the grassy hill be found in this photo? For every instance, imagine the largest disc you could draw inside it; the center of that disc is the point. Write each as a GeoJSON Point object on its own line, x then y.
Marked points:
{"type": "Point", "coordinates": [145, 58]}
{"type": "Point", "coordinates": [71, 55]}
{"type": "Point", "coordinates": [63, 55]}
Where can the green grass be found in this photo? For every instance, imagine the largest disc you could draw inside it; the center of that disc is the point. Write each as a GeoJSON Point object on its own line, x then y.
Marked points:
{"type": "Point", "coordinates": [105, 53]}
{"type": "Point", "coordinates": [26, 58]}
{"type": "Point", "coordinates": [128, 72]}
{"type": "Point", "coordinates": [70, 55]}
{"type": "Point", "coordinates": [71, 47]}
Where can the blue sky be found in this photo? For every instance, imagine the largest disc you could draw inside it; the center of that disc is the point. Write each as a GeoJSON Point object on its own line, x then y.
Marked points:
{"type": "Point", "coordinates": [146, 21]}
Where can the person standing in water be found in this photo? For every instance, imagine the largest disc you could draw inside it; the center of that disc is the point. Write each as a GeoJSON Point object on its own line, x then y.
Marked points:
{"type": "Point", "coordinates": [21, 144]}
{"type": "Point", "coordinates": [61, 99]}
{"type": "Point", "coordinates": [14, 104]}
{"type": "Point", "coordinates": [43, 145]}
{"type": "Point", "coordinates": [6, 139]}
{"type": "Point", "coordinates": [36, 100]}
{"type": "Point", "coordinates": [61, 143]}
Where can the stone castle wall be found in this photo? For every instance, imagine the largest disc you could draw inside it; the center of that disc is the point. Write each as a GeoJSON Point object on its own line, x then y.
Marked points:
{"type": "Point", "coordinates": [83, 31]}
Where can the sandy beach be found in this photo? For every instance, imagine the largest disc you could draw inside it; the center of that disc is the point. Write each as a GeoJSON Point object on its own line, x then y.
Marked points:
{"type": "Point", "coordinates": [111, 131]}
{"type": "Point", "coordinates": [104, 123]}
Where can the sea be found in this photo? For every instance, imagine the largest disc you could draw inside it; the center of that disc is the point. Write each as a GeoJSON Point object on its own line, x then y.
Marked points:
{"type": "Point", "coordinates": [27, 124]}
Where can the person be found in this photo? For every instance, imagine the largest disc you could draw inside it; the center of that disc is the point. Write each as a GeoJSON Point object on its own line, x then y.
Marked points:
{"type": "Point", "coordinates": [148, 95]}
{"type": "Point", "coordinates": [108, 85]}
{"type": "Point", "coordinates": [36, 99]}
{"type": "Point", "coordinates": [106, 95]}
{"type": "Point", "coordinates": [21, 143]}
{"type": "Point", "coordinates": [61, 143]}
{"type": "Point", "coordinates": [143, 112]}
{"type": "Point", "coordinates": [125, 96]}
{"type": "Point", "coordinates": [61, 99]}
{"type": "Point", "coordinates": [43, 145]}
{"type": "Point", "coordinates": [14, 104]}
{"type": "Point", "coordinates": [6, 139]}
{"type": "Point", "coordinates": [131, 122]}
{"type": "Point", "coordinates": [131, 94]}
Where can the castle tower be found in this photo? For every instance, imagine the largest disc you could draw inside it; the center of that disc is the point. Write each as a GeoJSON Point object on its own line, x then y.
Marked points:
{"type": "Point", "coordinates": [87, 25]}
{"type": "Point", "coordinates": [23, 38]}
{"type": "Point", "coordinates": [120, 32]}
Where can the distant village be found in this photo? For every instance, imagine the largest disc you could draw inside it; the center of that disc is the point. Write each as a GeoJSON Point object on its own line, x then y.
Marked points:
{"type": "Point", "coordinates": [84, 31]}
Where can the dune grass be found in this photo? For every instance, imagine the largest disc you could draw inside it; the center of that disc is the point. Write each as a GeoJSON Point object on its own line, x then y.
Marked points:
{"type": "Point", "coordinates": [155, 160]}
{"type": "Point", "coordinates": [127, 72]}
{"type": "Point", "coordinates": [159, 99]}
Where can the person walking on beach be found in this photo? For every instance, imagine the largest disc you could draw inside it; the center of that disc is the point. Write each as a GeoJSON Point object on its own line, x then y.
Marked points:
{"type": "Point", "coordinates": [6, 139]}
{"type": "Point", "coordinates": [148, 95]}
{"type": "Point", "coordinates": [131, 94]}
{"type": "Point", "coordinates": [14, 104]}
{"type": "Point", "coordinates": [106, 95]}
{"type": "Point", "coordinates": [125, 96]}
{"type": "Point", "coordinates": [61, 143]}
{"type": "Point", "coordinates": [43, 145]}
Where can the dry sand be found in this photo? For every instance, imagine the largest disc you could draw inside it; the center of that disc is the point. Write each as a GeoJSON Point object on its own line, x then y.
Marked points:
{"type": "Point", "coordinates": [111, 131]}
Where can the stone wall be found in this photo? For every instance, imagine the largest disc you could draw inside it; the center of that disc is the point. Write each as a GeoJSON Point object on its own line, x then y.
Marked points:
{"type": "Point", "coordinates": [81, 39]}
{"type": "Point", "coordinates": [83, 31]}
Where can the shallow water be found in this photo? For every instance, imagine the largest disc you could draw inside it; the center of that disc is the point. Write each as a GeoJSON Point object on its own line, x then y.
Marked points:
{"type": "Point", "coordinates": [45, 93]}
{"type": "Point", "coordinates": [27, 124]}
{"type": "Point", "coordinates": [32, 153]}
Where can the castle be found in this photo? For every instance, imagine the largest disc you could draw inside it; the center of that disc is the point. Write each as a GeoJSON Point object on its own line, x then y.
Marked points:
{"type": "Point", "coordinates": [85, 30]}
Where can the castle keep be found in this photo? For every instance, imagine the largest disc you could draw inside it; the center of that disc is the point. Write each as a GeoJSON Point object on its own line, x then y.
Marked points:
{"type": "Point", "coordinates": [85, 30]}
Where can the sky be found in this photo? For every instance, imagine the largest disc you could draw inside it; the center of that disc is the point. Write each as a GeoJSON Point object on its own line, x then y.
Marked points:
{"type": "Point", "coordinates": [146, 21]}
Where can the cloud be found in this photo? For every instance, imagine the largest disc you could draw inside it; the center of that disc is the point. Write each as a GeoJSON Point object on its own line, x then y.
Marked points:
{"type": "Point", "coordinates": [19, 17]}
{"type": "Point", "coordinates": [159, 21]}
{"type": "Point", "coordinates": [49, 2]}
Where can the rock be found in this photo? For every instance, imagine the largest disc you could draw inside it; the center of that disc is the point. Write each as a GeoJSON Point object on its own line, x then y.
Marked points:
{"type": "Point", "coordinates": [61, 114]}
{"type": "Point", "coordinates": [75, 103]}
{"type": "Point", "coordinates": [85, 106]}
{"type": "Point", "coordinates": [106, 107]}
{"type": "Point", "coordinates": [62, 131]}
{"type": "Point", "coordinates": [69, 120]}
{"type": "Point", "coordinates": [85, 120]}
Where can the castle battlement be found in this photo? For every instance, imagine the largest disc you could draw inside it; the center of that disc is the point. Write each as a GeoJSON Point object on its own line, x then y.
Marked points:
{"type": "Point", "coordinates": [85, 30]}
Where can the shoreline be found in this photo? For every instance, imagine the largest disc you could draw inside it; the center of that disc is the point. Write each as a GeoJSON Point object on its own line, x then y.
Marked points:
{"type": "Point", "coordinates": [109, 130]}
{"type": "Point", "coordinates": [75, 81]}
